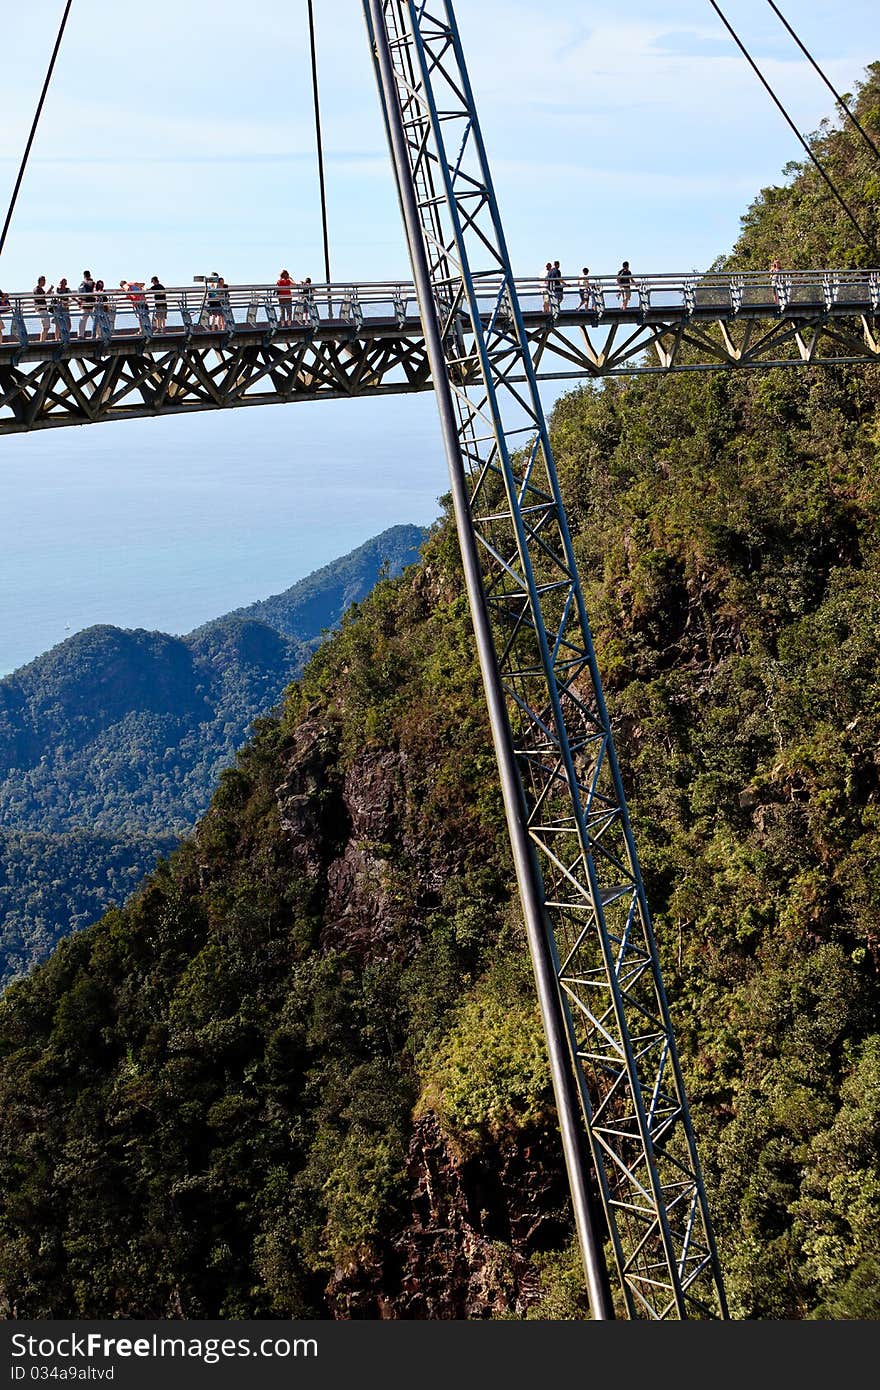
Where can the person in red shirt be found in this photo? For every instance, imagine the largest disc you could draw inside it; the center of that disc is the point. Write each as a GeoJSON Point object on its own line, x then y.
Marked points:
{"type": "Point", "coordinates": [135, 291]}
{"type": "Point", "coordinates": [284, 287]}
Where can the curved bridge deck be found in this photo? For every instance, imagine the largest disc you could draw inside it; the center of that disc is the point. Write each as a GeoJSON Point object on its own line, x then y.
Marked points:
{"type": "Point", "coordinates": [67, 362]}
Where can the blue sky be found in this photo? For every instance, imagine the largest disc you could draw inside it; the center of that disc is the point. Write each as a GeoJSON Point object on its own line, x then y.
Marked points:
{"type": "Point", "coordinates": [178, 139]}
{"type": "Point", "coordinates": [180, 134]}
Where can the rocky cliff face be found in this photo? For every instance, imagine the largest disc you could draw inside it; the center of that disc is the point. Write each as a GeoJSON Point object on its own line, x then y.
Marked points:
{"type": "Point", "coordinates": [468, 1222]}
{"type": "Point", "coordinates": [471, 1228]}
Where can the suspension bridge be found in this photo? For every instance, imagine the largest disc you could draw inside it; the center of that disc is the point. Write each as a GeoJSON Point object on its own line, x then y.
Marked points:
{"type": "Point", "coordinates": [341, 340]}
{"type": "Point", "coordinates": [468, 329]}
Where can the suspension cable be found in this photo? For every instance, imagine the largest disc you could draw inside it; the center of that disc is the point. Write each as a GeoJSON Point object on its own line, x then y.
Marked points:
{"type": "Point", "coordinates": [36, 122]}
{"type": "Point", "coordinates": [821, 168]}
{"type": "Point", "coordinates": [837, 97]}
{"type": "Point", "coordinates": [319, 142]}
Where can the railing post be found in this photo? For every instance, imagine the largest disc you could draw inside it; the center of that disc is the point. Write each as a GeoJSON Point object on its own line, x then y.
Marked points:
{"type": "Point", "coordinates": [19, 323]}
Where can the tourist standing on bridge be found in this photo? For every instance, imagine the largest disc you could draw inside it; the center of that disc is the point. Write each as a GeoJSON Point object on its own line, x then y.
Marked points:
{"type": "Point", "coordinates": [103, 306]}
{"type": "Point", "coordinates": [306, 303]}
{"type": "Point", "coordinates": [225, 305]}
{"type": "Point", "coordinates": [214, 302]}
{"type": "Point", "coordinates": [624, 281]}
{"type": "Point", "coordinates": [61, 304]}
{"type": "Point", "coordinates": [547, 269]}
{"type": "Point", "coordinates": [556, 287]}
{"type": "Point", "coordinates": [5, 308]}
{"type": "Point", "coordinates": [42, 306]}
{"type": "Point", "coordinates": [588, 293]}
{"type": "Point", "coordinates": [86, 302]}
{"type": "Point", "coordinates": [160, 304]}
{"type": "Point", "coordinates": [284, 289]}
{"type": "Point", "coordinates": [135, 291]}
{"type": "Point", "coordinates": [776, 277]}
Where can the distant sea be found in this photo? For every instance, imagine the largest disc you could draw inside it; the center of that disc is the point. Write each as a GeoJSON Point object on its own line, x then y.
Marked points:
{"type": "Point", "coordinates": [163, 524]}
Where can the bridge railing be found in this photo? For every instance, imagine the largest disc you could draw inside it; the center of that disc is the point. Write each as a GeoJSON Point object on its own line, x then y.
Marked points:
{"type": "Point", "coordinates": [142, 312]}
{"type": "Point", "coordinates": [729, 293]}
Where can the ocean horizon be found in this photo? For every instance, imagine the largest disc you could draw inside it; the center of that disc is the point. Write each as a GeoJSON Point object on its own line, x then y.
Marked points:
{"type": "Point", "coordinates": [165, 524]}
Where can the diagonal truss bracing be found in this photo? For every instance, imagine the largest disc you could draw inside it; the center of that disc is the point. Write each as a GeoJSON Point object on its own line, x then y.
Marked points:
{"type": "Point", "coordinates": [47, 385]}
{"type": "Point", "coordinates": [583, 898]}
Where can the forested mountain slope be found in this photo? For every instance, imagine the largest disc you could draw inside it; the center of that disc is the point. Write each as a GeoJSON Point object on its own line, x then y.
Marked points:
{"type": "Point", "coordinates": [301, 1072]}
{"type": "Point", "coordinates": [112, 742]}
{"type": "Point", "coordinates": [318, 602]}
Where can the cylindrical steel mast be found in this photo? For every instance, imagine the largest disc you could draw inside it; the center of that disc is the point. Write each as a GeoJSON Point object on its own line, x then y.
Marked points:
{"type": "Point", "coordinates": [614, 1062]}
{"type": "Point", "coordinates": [588, 1218]}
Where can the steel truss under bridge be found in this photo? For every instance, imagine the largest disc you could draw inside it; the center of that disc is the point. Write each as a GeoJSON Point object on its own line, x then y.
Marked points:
{"type": "Point", "coordinates": [333, 341]}
{"type": "Point", "coordinates": [616, 1072]}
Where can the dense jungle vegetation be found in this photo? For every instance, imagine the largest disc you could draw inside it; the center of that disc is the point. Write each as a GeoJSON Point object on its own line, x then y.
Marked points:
{"type": "Point", "coordinates": [301, 1071]}
{"type": "Point", "coordinates": [111, 743]}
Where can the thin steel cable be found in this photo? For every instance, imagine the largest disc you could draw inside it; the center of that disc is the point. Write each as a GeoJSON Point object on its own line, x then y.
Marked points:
{"type": "Point", "coordinates": [763, 80]}
{"type": "Point", "coordinates": [36, 122]}
{"type": "Point", "coordinates": [837, 97]}
{"type": "Point", "coordinates": [319, 142]}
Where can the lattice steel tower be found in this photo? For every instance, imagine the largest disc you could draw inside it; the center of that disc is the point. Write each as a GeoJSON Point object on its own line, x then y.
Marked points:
{"type": "Point", "coordinates": [627, 1134]}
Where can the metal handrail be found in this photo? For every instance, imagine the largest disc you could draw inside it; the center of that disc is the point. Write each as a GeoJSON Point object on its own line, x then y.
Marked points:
{"type": "Point", "coordinates": [117, 313]}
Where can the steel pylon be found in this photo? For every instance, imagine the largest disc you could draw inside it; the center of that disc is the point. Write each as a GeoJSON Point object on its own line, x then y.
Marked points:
{"type": "Point", "coordinates": [626, 1128]}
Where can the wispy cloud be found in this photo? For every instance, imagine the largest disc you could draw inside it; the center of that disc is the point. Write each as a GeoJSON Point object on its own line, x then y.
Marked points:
{"type": "Point", "coordinates": [194, 129]}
